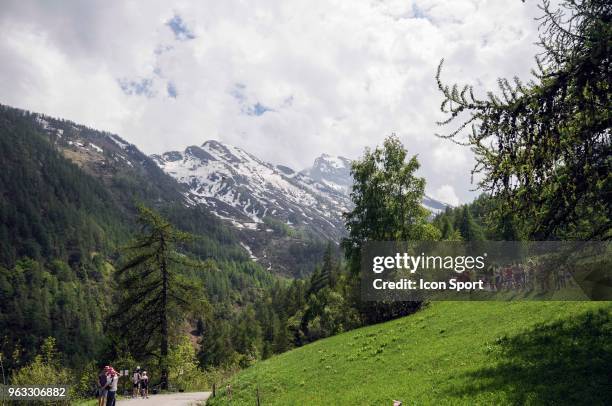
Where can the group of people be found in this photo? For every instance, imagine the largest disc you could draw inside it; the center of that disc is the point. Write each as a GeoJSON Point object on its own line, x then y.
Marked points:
{"type": "Point", "coordinates": [107, 385]}
{"type": "Point", "coordinates": [526, 276]}
{"type": "Point", "coordinates": [140, 381]}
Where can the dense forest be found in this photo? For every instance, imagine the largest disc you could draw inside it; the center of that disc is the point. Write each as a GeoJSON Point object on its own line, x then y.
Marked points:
{"type": "Point", "coordinates": [62, 233]}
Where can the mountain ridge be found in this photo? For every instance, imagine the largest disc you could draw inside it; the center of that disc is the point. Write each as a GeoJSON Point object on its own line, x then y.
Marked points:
{"type": "Point", "coordinates": [283, 218]}
{"type": "Point", "coordinates": [239, 187]}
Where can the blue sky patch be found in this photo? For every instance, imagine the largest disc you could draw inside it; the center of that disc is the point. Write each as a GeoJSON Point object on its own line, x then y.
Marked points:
{"type": "Point", "coordinates": [172, 90]}
{"type": "Point", "coordinates": [180, 29]}
{"type": "Point", "coordinates": [418, 12]}
{"type": "Point", "coordinates": [257, 109]}
{"type": "Point", "coordinates": [142, 87]}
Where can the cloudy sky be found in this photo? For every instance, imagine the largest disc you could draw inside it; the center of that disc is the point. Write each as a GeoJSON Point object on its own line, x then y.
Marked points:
{"type": "Point", "coordinates": [285, 80]}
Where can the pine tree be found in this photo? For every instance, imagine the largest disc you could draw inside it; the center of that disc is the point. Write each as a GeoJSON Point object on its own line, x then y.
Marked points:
{"type": "Point", "coordinates": [282, 337]}
{"type": "Point", "coordinates": [154, 296]}
{"type": "Point", "coordinates": [328, 269]}
{"type": "Point", "coordinates": [447, 228]}
{"type": "Point", "coordinates": [470, 231]}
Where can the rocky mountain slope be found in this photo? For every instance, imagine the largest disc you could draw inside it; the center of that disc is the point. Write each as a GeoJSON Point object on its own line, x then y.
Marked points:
{"type": "Point", "coordinates": [131, 177]}
{"type": "Point", "coordinates": [126, 176]}
{"type": "Point", "coordinates": [251, 193]}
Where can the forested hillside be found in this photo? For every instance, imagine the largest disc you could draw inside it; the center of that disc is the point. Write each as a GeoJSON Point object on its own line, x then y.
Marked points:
{"type": "Point", "coordinates": [69, 210]}
{"type": "Point", "coordinates": [66, 212]}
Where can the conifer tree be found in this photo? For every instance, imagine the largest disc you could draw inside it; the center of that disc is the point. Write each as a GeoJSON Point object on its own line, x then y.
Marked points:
{"type": "Point", "coordinates": [154, 296]}
{"type": "Point", "coordinates": [543, 147]}
{"type": "Point", "coordinates": [470, 231]}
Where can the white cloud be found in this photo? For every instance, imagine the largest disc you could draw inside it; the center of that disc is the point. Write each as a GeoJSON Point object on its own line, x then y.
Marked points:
{"type": "Point", "coordinates": [450, 158]}
{"type": "Point", "coordinates": [335, 75]}
{"type": "Point", "coordinates": [446, 193]}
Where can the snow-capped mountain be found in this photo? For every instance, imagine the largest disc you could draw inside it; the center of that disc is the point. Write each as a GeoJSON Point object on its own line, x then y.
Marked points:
{"type": "Point", "coordinates": [253, 194]}
{"type": "Point", "coordinates": [276, 210]}
{"type": "Point", "coordinates": [334, 172]}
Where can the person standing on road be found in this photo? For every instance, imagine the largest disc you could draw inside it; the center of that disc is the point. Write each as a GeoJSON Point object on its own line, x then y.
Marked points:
{"type": "Point", "coordinates": [112, 387]}
{"type": "Point", "coordinates": [102, 389]}
{"type": "Point", "coordinates": [144, 385]}
{"type": "Point", "coordinates": [136, 382]}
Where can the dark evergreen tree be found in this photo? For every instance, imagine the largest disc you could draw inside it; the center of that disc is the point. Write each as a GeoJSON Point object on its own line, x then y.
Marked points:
{"type": "Point", "coordinates": [154, 295]}
{"type": "Point", "coordinates": [470, 231]}
{"type": "Point", "coordinates": [447, 228]}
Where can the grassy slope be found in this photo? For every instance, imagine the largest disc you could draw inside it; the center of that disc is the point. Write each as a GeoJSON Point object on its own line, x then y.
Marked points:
{"type": "Point", "coordinates": [449, 353]}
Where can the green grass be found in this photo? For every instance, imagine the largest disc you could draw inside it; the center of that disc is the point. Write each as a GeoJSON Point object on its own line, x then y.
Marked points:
{"type": "Point", "coordinates": [449, 353]}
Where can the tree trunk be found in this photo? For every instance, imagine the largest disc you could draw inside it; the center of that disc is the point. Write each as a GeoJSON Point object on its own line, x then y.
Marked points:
{"type": "Point", "coordinates": [164, 316]}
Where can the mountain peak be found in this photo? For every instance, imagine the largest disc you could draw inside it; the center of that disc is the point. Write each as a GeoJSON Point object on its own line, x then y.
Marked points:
{"type": "Point", "coordinates": [332, 171]}
{"type": "Point", "coordinates": [332, 161]}
{"type": "Point", "coordinates": [212, 144]}
{"type": "Point", "coordinates": [246, 190]}
{"type": "Point", "coordinates": [250, 193]}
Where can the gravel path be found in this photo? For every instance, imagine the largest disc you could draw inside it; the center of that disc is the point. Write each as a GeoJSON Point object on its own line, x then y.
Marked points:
{"type": "Point", "coordinates": [172, 399]}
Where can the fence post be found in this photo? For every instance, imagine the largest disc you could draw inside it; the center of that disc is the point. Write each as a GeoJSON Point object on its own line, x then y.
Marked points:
{"type": "Point", "coordinates": [258, 404]}
{"type": "Point", "coordinates": [214, 389]}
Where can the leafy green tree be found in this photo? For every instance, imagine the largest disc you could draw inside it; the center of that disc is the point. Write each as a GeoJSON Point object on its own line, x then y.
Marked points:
{"type": "Point", "coordinates": [183, 364]}
{"type": "Point", "coordinates": [154, 295]}
{"type": "Point", "coordinates": [46, 369]}
{"type": "Point", "coordinates": [387, 200]}
{"type": "Point", "coordinates": [387, 197]}
{"type": "Point", "coordinates": [544, 147]}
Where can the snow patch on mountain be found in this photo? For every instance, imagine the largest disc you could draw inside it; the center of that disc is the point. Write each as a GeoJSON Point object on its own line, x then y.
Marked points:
{"type": "Point", "coordinates": [247, 191]}
{"type": "Point", "coordinates": [238, 185]}
{"type": "Point", "coordinates": [123, 145]}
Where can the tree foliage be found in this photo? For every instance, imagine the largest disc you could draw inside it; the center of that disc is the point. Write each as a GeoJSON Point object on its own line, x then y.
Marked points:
{"type": "Point", "coordinates": [155, 298]}
{"type": "Point", "coordinates": [45, 370]}
{"type": "Point", "coordinates": [387, 198]}
{"type": "Point", "coordinates": [544, 147]}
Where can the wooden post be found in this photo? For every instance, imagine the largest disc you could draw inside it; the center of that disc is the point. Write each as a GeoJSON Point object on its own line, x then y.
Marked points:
{"type": "Point", "coordinates": [258, 404]}
{"type": "Point", "coordinates": [214, 389]}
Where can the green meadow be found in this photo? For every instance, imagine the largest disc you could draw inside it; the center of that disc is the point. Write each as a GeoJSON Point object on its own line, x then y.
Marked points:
{"type": "Point", "coordinates": [448, 353]}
